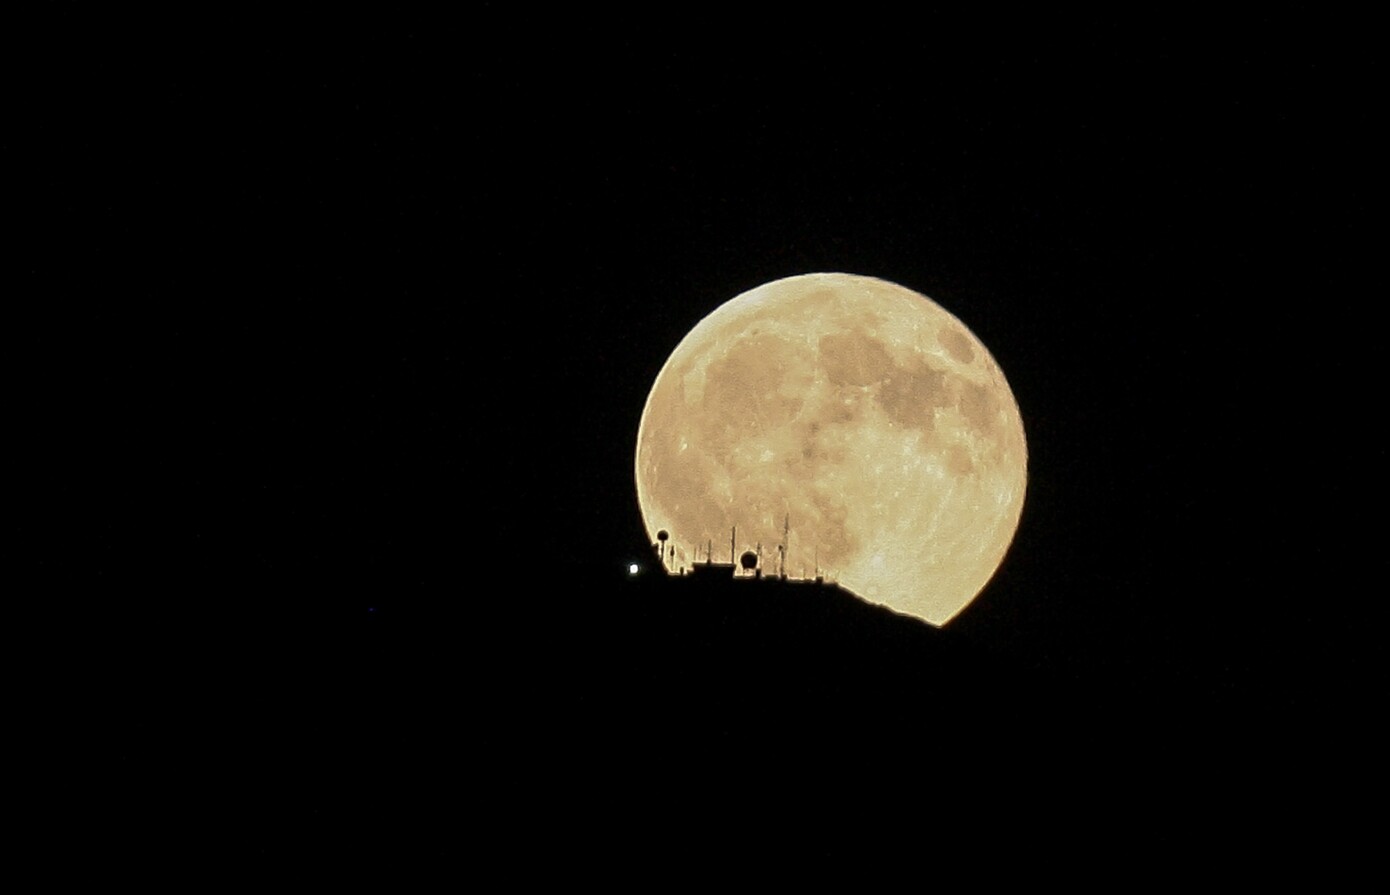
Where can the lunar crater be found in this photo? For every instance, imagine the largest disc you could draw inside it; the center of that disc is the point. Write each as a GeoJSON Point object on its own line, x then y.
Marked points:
{"type": "Point", "coordinates": [853, 359]}
{"type": "Point", "coordinates": [911, 394]}
{"type": "Point", "coordinates": [956, 344]}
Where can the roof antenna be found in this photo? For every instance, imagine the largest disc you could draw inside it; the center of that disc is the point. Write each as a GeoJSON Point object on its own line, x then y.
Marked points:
{"type": "Point", "coordinates": [786, 540]}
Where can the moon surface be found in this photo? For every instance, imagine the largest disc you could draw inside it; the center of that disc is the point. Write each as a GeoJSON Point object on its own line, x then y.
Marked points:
{"type": "Point", "coordinates": [858, 412]}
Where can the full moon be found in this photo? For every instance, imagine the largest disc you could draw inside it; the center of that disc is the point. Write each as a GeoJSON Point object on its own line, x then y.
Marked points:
{"type": "Point", "coordinates": [852, 414]}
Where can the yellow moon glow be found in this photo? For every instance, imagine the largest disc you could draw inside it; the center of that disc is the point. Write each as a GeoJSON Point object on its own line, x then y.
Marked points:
{"type": "Point", "coordinates": [862, 412]}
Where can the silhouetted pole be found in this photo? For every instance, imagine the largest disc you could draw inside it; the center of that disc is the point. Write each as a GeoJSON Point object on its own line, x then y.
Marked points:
{"type": "Point", "coordinates": [786, 542]}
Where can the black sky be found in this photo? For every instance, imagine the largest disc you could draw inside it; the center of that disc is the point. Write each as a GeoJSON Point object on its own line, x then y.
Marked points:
{"type": "Point", "coordinates": [343, 343]}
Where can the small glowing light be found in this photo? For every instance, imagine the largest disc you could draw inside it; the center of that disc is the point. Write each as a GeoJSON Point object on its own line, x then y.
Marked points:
{"type": "Point", "coordinates": [633, 568]}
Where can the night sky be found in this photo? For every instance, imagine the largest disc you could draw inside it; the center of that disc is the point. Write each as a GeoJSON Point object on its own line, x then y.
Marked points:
{"type": "Point", "coordinates": [344, 341]}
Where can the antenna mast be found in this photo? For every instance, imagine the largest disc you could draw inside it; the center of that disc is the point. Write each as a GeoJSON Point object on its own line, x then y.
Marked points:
{"type": "Point", "coordinates": [786, 542]}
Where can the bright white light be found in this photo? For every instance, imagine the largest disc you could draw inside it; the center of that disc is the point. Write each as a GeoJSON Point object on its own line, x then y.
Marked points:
{"type": "Point", "coordinates": [633, 568]}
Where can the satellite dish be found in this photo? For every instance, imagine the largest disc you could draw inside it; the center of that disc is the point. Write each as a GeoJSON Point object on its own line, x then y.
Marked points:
{"type": "Point", "coordinates": [749, 560]}
{"type": "Point", "coordinates": [662, 536]}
